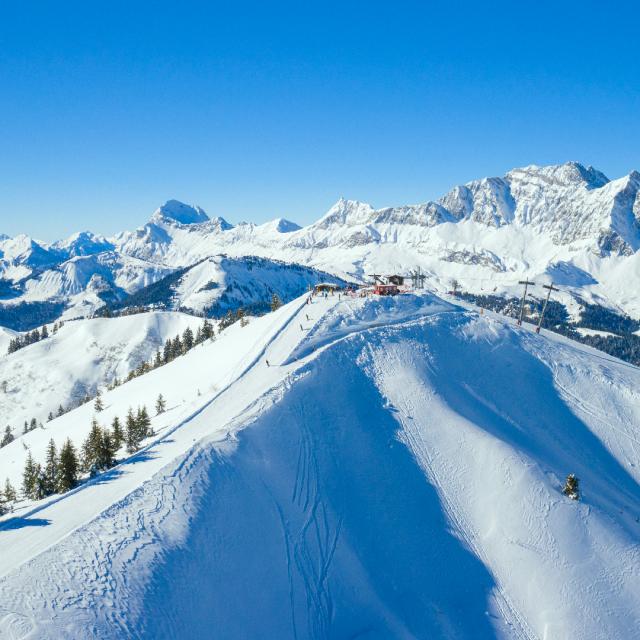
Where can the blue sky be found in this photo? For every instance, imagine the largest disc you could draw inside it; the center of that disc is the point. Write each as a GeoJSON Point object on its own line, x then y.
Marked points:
{"type": "Point", "coordinates": [259, 110]}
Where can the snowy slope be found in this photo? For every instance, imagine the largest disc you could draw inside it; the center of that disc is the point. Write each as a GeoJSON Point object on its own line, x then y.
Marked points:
{"type": "Point", "coordinates": [395, 472]}
{"type": "Point", "coordinates": [81, 357]}
{"type": "Point", "coordinates": [566, 223]}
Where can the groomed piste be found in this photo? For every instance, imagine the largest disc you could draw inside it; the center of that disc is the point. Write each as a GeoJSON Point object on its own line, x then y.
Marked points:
{"type": "Point", "coordinates": [394, 471]}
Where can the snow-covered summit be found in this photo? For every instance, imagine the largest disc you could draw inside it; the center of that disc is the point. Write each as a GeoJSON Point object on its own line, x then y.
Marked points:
{"type": "Point", "coordinates": [180, 212]}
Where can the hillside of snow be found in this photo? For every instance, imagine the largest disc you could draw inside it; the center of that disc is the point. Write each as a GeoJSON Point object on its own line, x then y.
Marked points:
{"type": "Point", "coordinates": [82, 357]}
{"type": "Point", "coordinates": [395, 471]}
{"type": "Point", "coordinates": [566, 223]}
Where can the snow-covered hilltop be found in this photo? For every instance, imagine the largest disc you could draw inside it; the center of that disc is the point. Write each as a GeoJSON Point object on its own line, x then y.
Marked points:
{"type": "Point", "coordinates": [566, 223]}
{"type": "Point", "coordinates": [390, 468]}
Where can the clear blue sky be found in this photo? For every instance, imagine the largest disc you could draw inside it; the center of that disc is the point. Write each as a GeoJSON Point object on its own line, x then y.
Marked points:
{"type": "Point", "coordinates": [258, 110]}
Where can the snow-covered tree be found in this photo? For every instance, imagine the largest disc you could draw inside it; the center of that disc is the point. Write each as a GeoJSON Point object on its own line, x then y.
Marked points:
{"type": "Point", "coordinates": [572, 487]}
{"type": "Point", "coordinates": [7, 437]}
{"type": "Point", "coordinates": [9, 492]}
{"type": "Point", "coordinates": [30, 477]}
{"type": "Point", "coordinates": [161, 405]}
{"type": "Point", "coordinates": [144, 423]}
{"type": "Point", "coordinates": [133, 433]}
{"type": "Point", "coordinates": [187, 339]}
{"type": "Point", "coordinates": [98, 405]}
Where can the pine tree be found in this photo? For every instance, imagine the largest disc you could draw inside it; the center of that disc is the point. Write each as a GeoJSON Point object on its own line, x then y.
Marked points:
{"type": "Point", "coordinates": [161, 405]}
{"type": "Point", "coordinates": [572, 487]}
{"type": "Point", "coordinates": [167, 353]}
{"type": "Point", "coordinates": [45, 332]}
{"type": "Point", "coordinates": [50, 416]}
{"type": "Point", "coordinates": [26, 427]}
{"type": "Point", "coordinates": [157, 361]}
{"type": "Point", "coordinates": [144, 423]}
{"type": "Point", "coordinates": [51, 469]}
{"type": "Point", "coordinates": [60, 410]}
{"type": "Point", "coordinates": [4, 505]}
{"type": "Point", "coordinates": [9, 492]}
{"type": "Point", "coordinates": [133, 435]}
{"type": "Point", "coordinates": [176, 347]}
{"type": "Point", "coordinates": [117, 434]}
{"type": "Point", "coordinates": [33, 424]}
{"type": "Point", "coordinates": [67, 467]}
{"type": "Point", "coordinates": [276, 303]}
{"type": "Point", "coordinates": [198, 339]}
{"type": "Point", "coordinates": [187, 339]}
{"type": "Point", "coordinates": [106, 451]}
{"type": "Point", "coordinates": [7, 438]}
{"type": "Point", "coordinates": [207, 330]}
{"type": "Point", "coordinates": [29, 477]}
{"type": "Point", "coordinates": [97, 405]}
{"type": "Point", "coordinates": [91, 449]}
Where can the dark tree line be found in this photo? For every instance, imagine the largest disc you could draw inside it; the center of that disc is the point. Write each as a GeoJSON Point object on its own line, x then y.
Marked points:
{"type": "Point", "coordinates": [31, 337]}
{"type": "Point", "coordinates": [63, 469]}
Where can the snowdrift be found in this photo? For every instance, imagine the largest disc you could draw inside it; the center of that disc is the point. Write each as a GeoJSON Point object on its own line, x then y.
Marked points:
{"type": "Point", "coordinates": [396, 472]}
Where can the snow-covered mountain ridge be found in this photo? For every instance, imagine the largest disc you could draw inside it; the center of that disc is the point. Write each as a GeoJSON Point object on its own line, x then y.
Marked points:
{"type": "Point", "coordinates": [567, 223]}
{"type": "Point", "coordinates": [396, 472]}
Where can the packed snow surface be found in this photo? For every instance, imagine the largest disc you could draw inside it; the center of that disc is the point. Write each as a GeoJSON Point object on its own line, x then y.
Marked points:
{"type": "Point", "coordinates": [395, 471]}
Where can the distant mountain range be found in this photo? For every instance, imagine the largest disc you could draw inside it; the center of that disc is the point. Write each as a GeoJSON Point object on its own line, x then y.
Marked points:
{"type": "Point", "coordinates": [566, 223]}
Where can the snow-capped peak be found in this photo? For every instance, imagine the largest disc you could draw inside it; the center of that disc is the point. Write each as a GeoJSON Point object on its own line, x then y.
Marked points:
{"type": "Point", "coordinates": [180, 212]}
{"type": "Point", "coordinates": [280, 225]}
{"type": "Point", "coordinates": [565, 175]}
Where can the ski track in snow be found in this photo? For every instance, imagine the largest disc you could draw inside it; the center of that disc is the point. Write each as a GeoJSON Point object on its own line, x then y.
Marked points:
{"type": "Point", "coordinates": [93, 577]}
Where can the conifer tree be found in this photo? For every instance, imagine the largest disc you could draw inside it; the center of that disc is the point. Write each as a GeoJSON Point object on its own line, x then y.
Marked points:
{"type": "Point", "coordinates": [50, 416]}
{"type": "Point", "coordinates": [161, 405]}
{"type": "Point", "coordinates": [207, 330]}
{"type": "Point", "coordinates": [7, 437]}
{"type": "Point", "coordinates": [198, 339]}
{"type": "Point", "coordinates": [9, 492]}
{"type": "Point", "coordinates": [4, 505]}
{"type": "Point", "coordinates": [167, 352]}
{"type": "Point", "coordinates": [572, 487]}
{"type": "Point", "coordinates": [91, 449]}
{"type": "Point", "coordinates": [187, 339]}
{"type": "Point", "coordinates": [176, 348]}
{"type": "Point", "coordinates": [33, 424]}
{"type": "Point", "coordinates": [67, 467]}
{"type": "Point", "coordinates": [60, 410]}
{"type": "Point", "coordinates": [117, 434]}
{"type": "Point", "coordinates": [50, 471]}
{"type": "Point", "coordinates": [276, 303]}
{"type": "Point", "coordinates": [144, 423]}
{"type": "Point", "coordinates": [25, 428]}
{"type": "Point", "coordinates": [45, 332]}
{"type": "Point", "coordinates": [157, 361]}
{"type": "Point", "coordinates": [133, 435]}
{"type": "Point", "coordinates": [97, 405]}
{"type": "Point", "coordinates": [29, 477]}
{"type": "Point", "coordinates": [106, 451]}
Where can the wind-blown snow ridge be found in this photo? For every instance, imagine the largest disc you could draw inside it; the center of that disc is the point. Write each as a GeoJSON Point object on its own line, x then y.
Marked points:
{"type": "Point", "coordinates": [395, 471]}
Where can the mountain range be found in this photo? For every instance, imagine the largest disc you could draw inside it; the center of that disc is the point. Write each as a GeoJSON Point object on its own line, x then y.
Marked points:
{"type": "Point", "coordinates": [567, 223]}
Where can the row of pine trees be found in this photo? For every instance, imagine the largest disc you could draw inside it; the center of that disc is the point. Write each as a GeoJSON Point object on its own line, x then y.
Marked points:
{"type": "Point", "coordinates": [31, 337]}
{"type": "Point", "coordinates": [62, 469]}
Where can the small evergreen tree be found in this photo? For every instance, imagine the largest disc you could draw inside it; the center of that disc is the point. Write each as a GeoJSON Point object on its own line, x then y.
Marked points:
{"type": "Point", "coordinates": [106, 451]}
{"type": "Point", "coordinates": [25, 428]}
{"type": "Point", "coordinates": [91, 449]}
{"type": "Point", "coordinates": [176, 347]}
{"type": "Point", "coordinates": [161, 405]}
{"type": "Point", "coordinates": [276, 303]}
{"type": "Point", "coordinates": [144, 423]}
{"type": "Point", "coordinates": [207, 330]}
{"type": "Point", "coordinates": [33, 424]}
{"type": "Point", "coordinates": [157, 361]}
{"type": "Point", "coordinates": [50, 416]}
{"type": "Point", "coordinates": [67, 467]}
{"type": "Point", "coordinates": [117, 434]}
{"type": "Point", "coordinates": [187, 339]}
{"type": "Point", "coordinates": [7, 437]}
{"type": "Point", "coordinates": [572, 487]}
{"type": "Point", "coordinates": [29, 477]}
{"type": "Point", "coordinates": [60, 410]}
{"type": "Point", "coordinates": [133, 434]}
{"type": "Point", "coordinates": [50, 472]}
{"type": "Point", "coordinates": [45, 332]}
{"type": "Point", "coordinates": [9, 492]}
{"type": "Point", "coordinates": [97, 405]}
{"type": "Point", "coordinates": [167, 352]}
